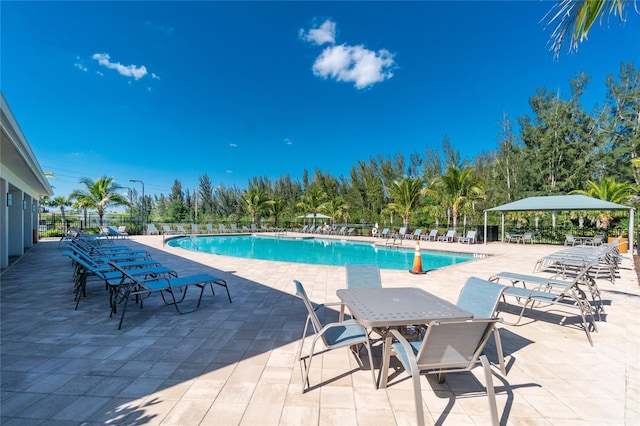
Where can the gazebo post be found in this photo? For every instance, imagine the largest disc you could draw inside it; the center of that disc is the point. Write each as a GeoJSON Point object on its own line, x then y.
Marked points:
{"type": "Point", "coordinates": [631, 229]}
{"type": "Point", "coordinates": [485, 227]}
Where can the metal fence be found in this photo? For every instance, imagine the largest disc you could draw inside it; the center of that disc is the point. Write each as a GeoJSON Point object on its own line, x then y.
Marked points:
{"type": "Point", "coordinates": [52, 224]}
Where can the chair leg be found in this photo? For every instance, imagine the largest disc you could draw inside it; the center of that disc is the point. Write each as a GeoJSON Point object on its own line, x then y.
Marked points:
{"type": "Point", "coordinates": [373, 373]}
{"type": "Point", "coordinates": [496, 334]}
{"type": "Point", "coordinates": [305, 379]}
{"type": "Point", "coordinates": [493, 407]}
{"type": "Point", "coordinates": [417, 394]}
{"type": "Point", "coordinates": [299, 355]}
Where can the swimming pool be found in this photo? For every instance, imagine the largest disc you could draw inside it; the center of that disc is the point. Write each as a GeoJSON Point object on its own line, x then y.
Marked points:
{"type": "Point", "coordinates": [317, 251]}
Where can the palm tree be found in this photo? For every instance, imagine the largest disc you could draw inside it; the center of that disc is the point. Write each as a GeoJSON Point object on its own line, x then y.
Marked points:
{"type": "Point", "coordinates": [312, 202]}
{"type": "Point", "coordinates": [99, 194]}
{"type": "Point", "coordinates": [575, 17]}
{"type": "Point", "coordinates": [405, 195]}
{"type": "Point", "coordinates": [62, 202]}
{"type": "Point", "coordinates": [277, 206]}
{"type": "Point", "coordinates": [335, 208]}
{"type": "Point", "coordinates": [608, 190]}
{"type": "Point", "coordinates": [456, 188]}
{"type": "Point", "coordinates": [256, 202]}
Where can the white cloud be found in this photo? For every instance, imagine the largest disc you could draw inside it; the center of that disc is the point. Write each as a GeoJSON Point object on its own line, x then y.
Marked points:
{"type": "Point", "coordinates": [325, 33]}
{"type": "Point", "coordinates": [233, 145]}
{"type": "Point", "coordinates": [155, 76]}
{"type": "Point", "coordinates": [355, 64]}
{"type": "Point", "coordinates": [288, 141]}
{"type": "Point", "coordinates": [229, 171]}
{"type": "Point", "coordinates": [159, 27]}
{"type": "Point", "coordinates": [80, 66]}
{"type": "Point", "coordinates": [126, 70]}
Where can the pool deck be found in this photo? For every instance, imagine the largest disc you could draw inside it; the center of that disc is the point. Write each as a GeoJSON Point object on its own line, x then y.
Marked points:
{"type": "Point", "coordinates": [234, 364]}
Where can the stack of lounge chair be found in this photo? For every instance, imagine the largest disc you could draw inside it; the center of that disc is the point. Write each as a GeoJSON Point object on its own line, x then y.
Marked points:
{"type": "Point", "coordinates": [130, 274]}
{"type": "Point", "coordinates": [572, 285]}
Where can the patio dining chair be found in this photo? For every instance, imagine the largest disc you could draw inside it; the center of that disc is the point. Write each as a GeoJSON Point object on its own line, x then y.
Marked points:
{"type": "Point", "coordinates": [448, 347]}
{"type": "Point", "coordinates": [570, 239]}
{"type": "Point", "coordinates": [363, 276]}
{"type": "Point", "coordinates": [335, 335]}
{"type": "Point", "coordinates": [481, 298]}
{"type": "Point", "coordinates": [528, 237]}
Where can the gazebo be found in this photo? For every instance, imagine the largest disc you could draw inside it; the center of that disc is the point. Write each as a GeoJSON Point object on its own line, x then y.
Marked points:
{"type": "Point", "coordinates": [555, 203]}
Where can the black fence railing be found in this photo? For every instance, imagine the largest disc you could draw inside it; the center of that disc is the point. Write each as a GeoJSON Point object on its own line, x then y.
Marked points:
{"type": "Point", "coordinates": [53, 225]}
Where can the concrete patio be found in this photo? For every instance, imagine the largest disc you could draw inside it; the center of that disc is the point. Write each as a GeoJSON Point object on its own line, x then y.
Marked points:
{"type": "Point", "coordinates": [234, 364]}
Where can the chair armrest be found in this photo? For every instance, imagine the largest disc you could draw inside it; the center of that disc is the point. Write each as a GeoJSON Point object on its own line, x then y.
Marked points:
{"type": "Point", "coordinates": [410, 358]}
{"type": "Point", "coordinates": [340, 324]}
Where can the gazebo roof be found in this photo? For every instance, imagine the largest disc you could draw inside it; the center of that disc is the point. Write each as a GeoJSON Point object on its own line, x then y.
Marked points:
{"type": "Point", "coordinates": [559, 202]}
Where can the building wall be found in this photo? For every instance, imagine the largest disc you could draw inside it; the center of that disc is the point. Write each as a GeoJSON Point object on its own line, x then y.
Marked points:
{"type": "Point", "coordinates": [22, 183]}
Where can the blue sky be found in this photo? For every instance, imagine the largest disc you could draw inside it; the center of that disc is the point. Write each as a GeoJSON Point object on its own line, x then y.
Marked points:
{"type": "Point", "coordinates": [162, 90]}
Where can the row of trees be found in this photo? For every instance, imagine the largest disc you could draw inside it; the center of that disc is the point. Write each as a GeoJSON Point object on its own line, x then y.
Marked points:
{"type": "Point", "coordinates": [561, 148]}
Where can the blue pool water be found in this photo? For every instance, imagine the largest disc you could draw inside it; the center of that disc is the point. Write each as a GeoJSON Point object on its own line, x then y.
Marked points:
{"type": "Point", "coordinates": [317, 251]}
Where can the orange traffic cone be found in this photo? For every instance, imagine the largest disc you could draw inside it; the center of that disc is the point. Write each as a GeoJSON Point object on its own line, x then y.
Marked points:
{"type": "Point", "coordinates": [417, 261]}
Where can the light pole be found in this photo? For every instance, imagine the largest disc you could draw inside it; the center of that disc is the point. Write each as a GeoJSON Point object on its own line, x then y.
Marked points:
{"type": "Point", "coordinates": [141, 205]}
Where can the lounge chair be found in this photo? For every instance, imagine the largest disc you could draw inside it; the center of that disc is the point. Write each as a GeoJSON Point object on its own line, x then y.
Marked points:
{"type": "Point", "coordinates": [396, 238]}
{"type": "Point", "coordinates": [416, 234]}
{"type": "Point", "coordinates": [469, 239]}
{"type": "Point", "coordinates": [181, 229]}
{"type": "Point", "coordinates": [449, 237]}
{"type": "Point", "coordinates": [152, 230]}
{"type": "Point", "coordinates": [210, 229]}
{"type": "Point", "coordinates": [574, 259]}
{"type": "Point", "coordinates": [384, 233]}
{"type": "Point", "coordinates": [350, 231]}
{"type": "Point", "coordinates": [559, 293]}
{"type": "Point", "coordinates": [245, 229]}
{"type": "Point", "coordinates": [343, 334]}
{"type": "Point", "coordinates": [100, 252]}
{"type": "Point", "coordinates": [447, 347]}
{"type": "Point", "coordinates": [363, 276]}
{"type": "Point", "coordinates": [254, 228]}
{"type": "Point", "coordinates": [131, 286]}
{"type": "Point", "coordinates": [432, 236]}
{"type": "Point", "coordinates": [343, 231]}
{"type": "Point", "coordinates": [222, 228]}
{"type": "Point", "coordinates": [481, 297]}
{"type": "Point", "coordinates": [123, 231]}
{"type": "Point", "coordinates": [166, 230]}
{"type": "Point", "coordinates": [114, 233]}
{"type": "Point", "coordinates": [85, 268]}
{"type": "Point", "coordinates": [195, 229]}
{"type": "Point", "coordinates": [234, 227]}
